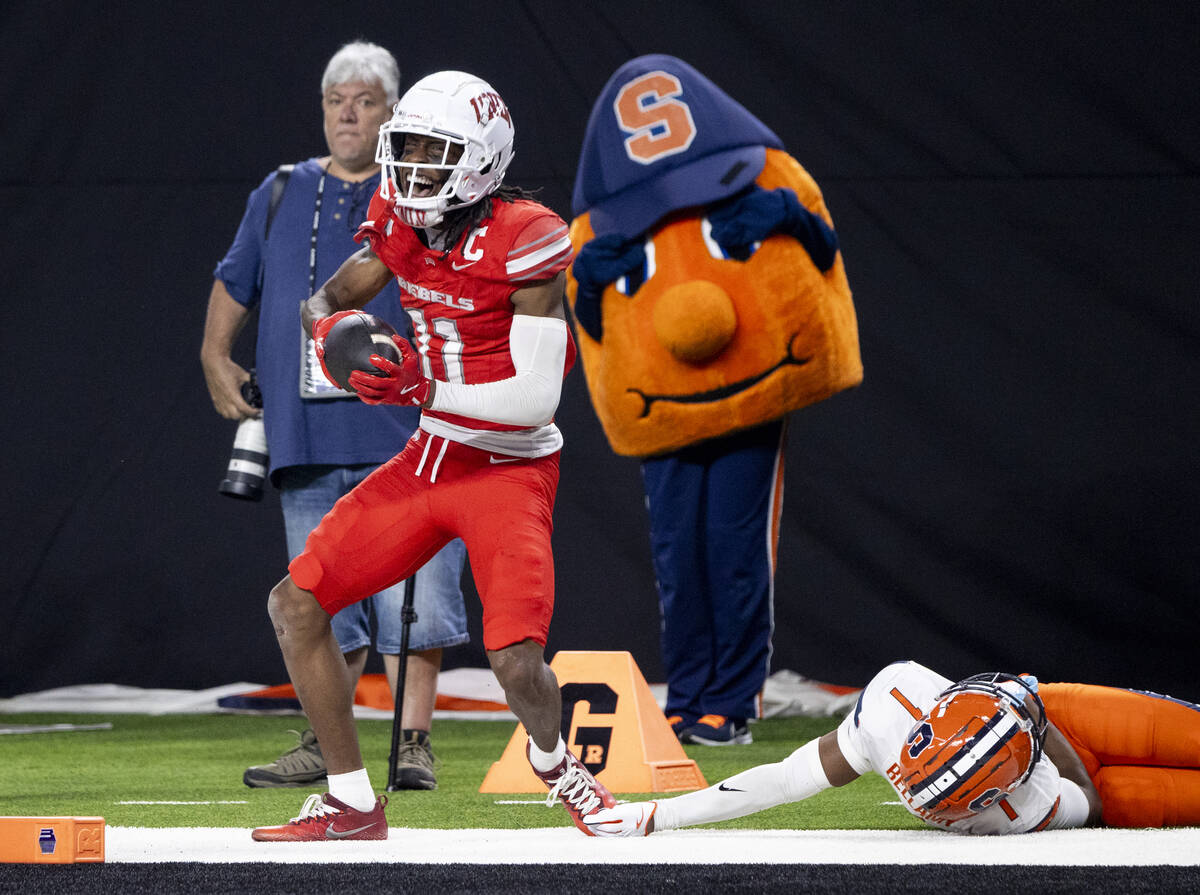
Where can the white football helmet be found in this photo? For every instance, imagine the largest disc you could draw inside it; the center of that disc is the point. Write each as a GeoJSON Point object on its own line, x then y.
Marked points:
{"type": "Point", "coordinates": [464, 111]}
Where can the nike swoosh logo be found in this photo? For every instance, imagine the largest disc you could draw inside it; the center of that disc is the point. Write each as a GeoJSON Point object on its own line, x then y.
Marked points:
{"type": "Point", "coordinates": [331, 833]}
{"type": "Point", "coordinates": [494, 459]}
{"type": "Point", "coordinates": [458, 266]}
{"type": "Point", "coordinates": [725, 788]}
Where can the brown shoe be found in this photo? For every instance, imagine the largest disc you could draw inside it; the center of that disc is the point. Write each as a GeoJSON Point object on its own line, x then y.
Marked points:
{"type": "Point", "coordinates": [302, 765]}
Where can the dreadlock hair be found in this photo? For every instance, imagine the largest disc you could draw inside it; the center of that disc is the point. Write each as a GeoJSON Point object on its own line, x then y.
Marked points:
{"type": "Point", "coordinates": [464, 220]}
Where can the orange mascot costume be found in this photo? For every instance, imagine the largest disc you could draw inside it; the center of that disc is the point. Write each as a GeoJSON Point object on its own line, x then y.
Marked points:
{"type": "Point", "coordinates": [711, 301]}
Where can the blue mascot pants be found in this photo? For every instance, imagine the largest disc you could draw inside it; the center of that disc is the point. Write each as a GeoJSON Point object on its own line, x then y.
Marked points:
{"type": "Point", "coordinates": [714, 514]}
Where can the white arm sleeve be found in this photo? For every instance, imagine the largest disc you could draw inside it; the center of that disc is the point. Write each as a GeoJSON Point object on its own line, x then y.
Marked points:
{"type": "Point", "coordinates": [528, 398]}
{"type": "Point", "coordinates": [797, 777]}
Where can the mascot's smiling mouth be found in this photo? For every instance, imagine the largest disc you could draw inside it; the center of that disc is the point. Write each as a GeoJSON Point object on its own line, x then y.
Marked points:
{"type": "Point", "coordinates": [725, 391]}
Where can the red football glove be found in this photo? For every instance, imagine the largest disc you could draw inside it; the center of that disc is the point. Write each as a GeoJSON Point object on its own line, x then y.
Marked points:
{"type": "Point", "coordinates": [402, 382]}
{"type": "Point", "coordinates": [320, 329]}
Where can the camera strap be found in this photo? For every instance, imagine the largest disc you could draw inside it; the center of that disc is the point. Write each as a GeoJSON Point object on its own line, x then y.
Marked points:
{"type": "Point", "coordinates": [277, 187]}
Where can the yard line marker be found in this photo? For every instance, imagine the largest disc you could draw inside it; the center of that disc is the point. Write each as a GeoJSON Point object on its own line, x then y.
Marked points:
{"type": "Point", "coordinates": [519, 802]}
{"type": "Point", "coordinates": [221, 802]}
{"type": "Point", "coordinates": [52, 728]}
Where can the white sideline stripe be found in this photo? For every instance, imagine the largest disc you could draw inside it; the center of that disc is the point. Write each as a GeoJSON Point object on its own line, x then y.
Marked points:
{"type": "Point", "coordinates": [565, 845]}
{"type": "Point", "coordinates": [220, 802]}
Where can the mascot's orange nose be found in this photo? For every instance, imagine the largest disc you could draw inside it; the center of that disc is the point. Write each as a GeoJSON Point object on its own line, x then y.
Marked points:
{"type": "Point", "coordinates": [695, 321]}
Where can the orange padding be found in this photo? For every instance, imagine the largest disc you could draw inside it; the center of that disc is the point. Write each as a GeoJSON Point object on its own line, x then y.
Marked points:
{"type": "Point", "coordinates": [51, 840]}
{"type": "Point", "coordinates": [373, 692]}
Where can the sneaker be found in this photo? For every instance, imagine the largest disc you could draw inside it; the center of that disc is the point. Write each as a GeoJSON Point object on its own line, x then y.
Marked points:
{"type": "Point", "coordinates": [679, 724]}
{"type": "Point", "coordinates": [324, 818]}
{"type": "Point", "coordinates": [303, 765]}
{"type": "Point", "coordinates": [414, 762]}
{"type": "Point", "coordinates": [573, 785]}
{"type": "Point", "coordinates": [717, 730]}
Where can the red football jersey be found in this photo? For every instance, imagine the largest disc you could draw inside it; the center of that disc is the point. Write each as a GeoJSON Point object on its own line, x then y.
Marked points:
{"type": "Point", "coordinates": [461, 303]}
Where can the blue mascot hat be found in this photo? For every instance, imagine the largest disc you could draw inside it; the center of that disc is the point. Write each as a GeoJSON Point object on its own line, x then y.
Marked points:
{"type": "Point", "coordinates": [662, 137]}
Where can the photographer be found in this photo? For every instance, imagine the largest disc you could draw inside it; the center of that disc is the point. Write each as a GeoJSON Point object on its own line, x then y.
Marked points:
{"type": "Point", "coordinates": [297, 230]}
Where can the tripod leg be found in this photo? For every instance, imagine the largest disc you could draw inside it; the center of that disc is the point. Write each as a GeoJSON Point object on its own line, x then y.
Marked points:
{"type": "Point", "coordinates": [407, 617]}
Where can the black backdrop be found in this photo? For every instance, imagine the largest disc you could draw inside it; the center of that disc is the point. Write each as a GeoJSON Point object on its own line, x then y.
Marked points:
{"type": "Point", "coordinates": [1015, 186]}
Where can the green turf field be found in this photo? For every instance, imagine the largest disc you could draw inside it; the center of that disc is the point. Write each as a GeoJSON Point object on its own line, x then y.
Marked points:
{"type": "Point", "coordinates": [200, 759]}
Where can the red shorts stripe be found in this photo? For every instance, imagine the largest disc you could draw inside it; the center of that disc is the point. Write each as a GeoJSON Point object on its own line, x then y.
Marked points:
{"type": "Point", "coordinates": [430, 493]}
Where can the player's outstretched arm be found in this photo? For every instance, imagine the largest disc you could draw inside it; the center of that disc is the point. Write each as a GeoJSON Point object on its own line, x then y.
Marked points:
{"type": "Point", "coordinates": [815, 766]}
{"type": "Point", "coordinates": [356, 282]}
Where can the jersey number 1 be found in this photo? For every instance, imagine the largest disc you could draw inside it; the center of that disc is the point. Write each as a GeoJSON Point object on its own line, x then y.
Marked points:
{"type": "Point", "coordinates": [451, 345]}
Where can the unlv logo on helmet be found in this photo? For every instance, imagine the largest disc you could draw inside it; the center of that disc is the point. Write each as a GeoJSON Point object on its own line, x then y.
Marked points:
{"type": "Point", "coordinates": [488, 105]}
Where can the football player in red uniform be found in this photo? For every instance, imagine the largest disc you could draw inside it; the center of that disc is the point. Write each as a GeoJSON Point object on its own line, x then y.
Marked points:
{"type": "Point", "coordinates": [481, 273]}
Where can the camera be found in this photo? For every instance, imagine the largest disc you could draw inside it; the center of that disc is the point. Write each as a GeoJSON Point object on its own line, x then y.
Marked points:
{"type": "Point", "coordinates": [248, 464]}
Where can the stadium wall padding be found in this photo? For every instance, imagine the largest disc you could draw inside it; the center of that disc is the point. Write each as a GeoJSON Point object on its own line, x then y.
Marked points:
{"type": "Point", "coordinates": [1014, 485]}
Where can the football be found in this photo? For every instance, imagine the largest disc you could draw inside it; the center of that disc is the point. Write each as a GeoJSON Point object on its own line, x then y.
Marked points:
{"type": "Point", "coordinates": [351, 342]}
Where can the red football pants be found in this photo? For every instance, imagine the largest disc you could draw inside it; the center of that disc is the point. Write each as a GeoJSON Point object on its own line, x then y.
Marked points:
{"type": "Point", "coordinates": [433, 491]}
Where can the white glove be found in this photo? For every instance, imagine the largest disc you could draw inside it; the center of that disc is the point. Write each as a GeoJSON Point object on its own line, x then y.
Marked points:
{"type": "Point", "coordinates": [628, 819]}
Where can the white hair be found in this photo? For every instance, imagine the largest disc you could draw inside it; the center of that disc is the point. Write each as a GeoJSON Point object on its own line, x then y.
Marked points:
{"type": "Point", "coordinates": [367, 62]}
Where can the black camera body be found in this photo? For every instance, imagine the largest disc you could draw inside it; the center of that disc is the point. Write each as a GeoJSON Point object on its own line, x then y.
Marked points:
{"type": "Point", "coordinates": [247, 468]}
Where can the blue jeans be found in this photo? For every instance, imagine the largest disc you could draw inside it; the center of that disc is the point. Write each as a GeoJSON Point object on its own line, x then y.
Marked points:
{"type": "Point", "coordinates": [306, 494]}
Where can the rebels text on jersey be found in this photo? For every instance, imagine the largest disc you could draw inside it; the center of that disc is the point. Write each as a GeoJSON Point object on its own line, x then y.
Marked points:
{"type": "Point", "coordinates": [461, 302]}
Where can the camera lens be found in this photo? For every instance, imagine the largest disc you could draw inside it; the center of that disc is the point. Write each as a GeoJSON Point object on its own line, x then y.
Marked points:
{"type": "Point", "coordinates": [248, 466]}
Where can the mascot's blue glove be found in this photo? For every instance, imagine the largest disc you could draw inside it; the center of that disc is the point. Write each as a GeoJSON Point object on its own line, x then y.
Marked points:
{"type": "Point", "coordinates": [602, 261]}
{"type": "Point", "coordinates": [757, 213]}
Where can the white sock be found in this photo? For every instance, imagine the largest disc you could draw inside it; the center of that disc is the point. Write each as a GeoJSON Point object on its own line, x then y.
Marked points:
{"type": "Point", "coordinates": [546, 761]}
{"type": "Point", "coordinates": [354, 789]}
{"type": "Point", "coordinates": [797, 777]}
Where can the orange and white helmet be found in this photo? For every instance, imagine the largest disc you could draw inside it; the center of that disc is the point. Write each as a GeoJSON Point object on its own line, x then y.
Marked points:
{"type": "Point", "coordinates": [977, 744]}
{"type": "Point", "coordinates": [464, 111]}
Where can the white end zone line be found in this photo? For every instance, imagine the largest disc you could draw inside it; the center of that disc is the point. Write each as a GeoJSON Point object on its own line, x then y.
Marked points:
{"type": "Point", "coordinates": [566, 845]}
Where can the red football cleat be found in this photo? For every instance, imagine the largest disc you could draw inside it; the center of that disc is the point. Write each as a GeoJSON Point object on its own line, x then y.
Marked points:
{"type": "Point", "coordinates": [325, 819]}
{"type": "Point", "coordinates": [573, 785]}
